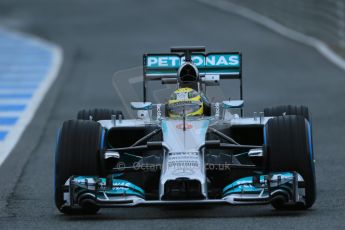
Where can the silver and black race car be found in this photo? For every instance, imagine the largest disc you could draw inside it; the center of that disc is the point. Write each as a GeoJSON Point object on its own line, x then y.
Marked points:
{"type": "Point", "coordinates": [188, 150]}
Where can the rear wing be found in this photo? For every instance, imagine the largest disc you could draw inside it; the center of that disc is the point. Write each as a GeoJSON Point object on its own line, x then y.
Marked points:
{"type": "Point", "coordinates": [228, 65]}
{"type": "Point", "coordinates": [165, 66]}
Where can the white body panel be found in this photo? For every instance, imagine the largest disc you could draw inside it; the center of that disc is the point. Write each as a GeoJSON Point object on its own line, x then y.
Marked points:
{"type": "Point", "coordinates": [184, 160]}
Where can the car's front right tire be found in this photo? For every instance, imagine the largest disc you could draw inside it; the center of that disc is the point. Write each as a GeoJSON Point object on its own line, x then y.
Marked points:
{"type": "Point", "coordinates": [98, 114]}
{"type": "Point", "coordinates": [77, 153]}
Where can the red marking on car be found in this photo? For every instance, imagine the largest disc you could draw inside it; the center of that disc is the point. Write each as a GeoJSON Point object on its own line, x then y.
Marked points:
{"type": "Point", "coordinates": [188, 126]}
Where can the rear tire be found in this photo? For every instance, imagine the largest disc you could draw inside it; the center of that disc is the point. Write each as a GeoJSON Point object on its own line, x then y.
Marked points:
{"type": "Point", "coordinates": [77, 153]}
{"type": "Point", "coordinates": [98, 114]}
{"type": "Point", "coordinates": [288, 110]}
{"type": "Point", "coordinates": [289, 144]}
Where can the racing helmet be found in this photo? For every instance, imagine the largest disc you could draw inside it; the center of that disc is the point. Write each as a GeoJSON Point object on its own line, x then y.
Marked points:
{"type": "Point", "coordinates": [185, 101]}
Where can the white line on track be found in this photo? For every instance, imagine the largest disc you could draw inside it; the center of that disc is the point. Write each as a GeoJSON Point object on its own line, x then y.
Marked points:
{"type": "Point", "coordinates": [5, 127]}
{"type": "Point", "coordinates": [319, 45]}
{"type": "Point", "coordinates": [10, 113]}
{"type": "Point", "coordinates": [8, 91]}
{"type": "Point", "coordinates": [13, 101]}
{"type": "Point", "coordinates": [31, 107]}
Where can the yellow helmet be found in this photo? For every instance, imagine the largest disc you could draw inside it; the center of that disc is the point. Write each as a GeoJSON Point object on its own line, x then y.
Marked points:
{"type": "Point", "coordinates": [185, 101]}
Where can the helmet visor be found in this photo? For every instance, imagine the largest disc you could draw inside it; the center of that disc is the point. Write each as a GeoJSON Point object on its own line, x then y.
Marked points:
{"type": "Point", "coordinates": [184, 108]}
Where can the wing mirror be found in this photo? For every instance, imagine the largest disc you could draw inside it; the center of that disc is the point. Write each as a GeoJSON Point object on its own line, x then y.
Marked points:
{"type": "Point", "coordinates": [233, 104]}
{"type": "Point", "coordinates": [141, 105]}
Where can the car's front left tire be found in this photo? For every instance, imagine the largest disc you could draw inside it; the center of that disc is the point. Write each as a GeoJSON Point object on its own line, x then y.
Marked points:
{"type": "Point", "coordinates": [283, 110]}
{"type": "Point", "coordinates": [289, 145]}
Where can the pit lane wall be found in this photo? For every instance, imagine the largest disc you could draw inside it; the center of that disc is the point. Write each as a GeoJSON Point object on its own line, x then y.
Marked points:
{"type": "Point", "coordinates": [322, 19]}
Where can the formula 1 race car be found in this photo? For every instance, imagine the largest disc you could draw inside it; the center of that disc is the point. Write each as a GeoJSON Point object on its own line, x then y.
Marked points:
{"type": "Point", "coordinates": [186, 150]}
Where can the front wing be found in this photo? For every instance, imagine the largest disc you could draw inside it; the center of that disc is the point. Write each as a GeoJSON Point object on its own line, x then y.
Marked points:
{"type": "Point", "coordinates": [105, 192]}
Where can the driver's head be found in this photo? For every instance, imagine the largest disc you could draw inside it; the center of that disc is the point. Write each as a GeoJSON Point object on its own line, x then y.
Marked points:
{"type": "Point", "coordinates": [185, 100]}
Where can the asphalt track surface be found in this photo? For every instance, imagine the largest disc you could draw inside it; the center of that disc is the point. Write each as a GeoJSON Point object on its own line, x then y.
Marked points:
{"type": "Point", "coordinates": [102, 37]}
